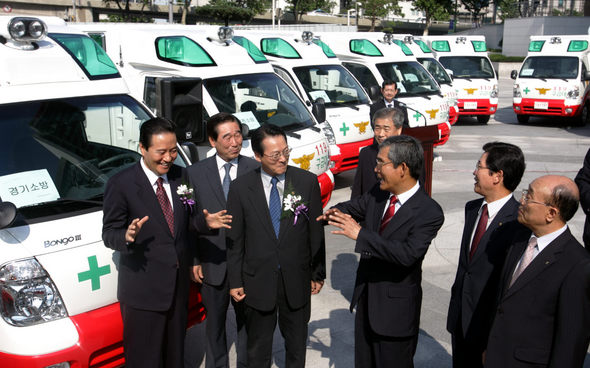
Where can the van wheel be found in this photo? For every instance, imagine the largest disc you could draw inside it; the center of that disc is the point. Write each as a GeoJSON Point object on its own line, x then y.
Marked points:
{"type": "Point", "coordinates": [483, 119]}
{"type": "Point", "coordinates": [585, 115]}
{"type": "Point", "coordinates": [523, 119]}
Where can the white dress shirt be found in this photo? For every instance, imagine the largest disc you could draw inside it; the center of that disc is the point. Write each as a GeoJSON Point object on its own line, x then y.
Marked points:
{"type": "Point", "coordinates": [266, 185]}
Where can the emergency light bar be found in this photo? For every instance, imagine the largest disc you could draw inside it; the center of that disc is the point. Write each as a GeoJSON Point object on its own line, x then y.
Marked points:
{"type": "Point", "coordinates": [225, 34]}
{"type": "Point", "coordinates": [555, 40]}
{"type": "Point", "coordinates": [307, 36]}
{"type": "Point", "coordinates": [409, 39]}
{"type": "Point", "coordinates": [25, 29]}
{"type": "Point", "coordinates": [387, 38]}
{"type": "Point", "coordinates": [461, 40]}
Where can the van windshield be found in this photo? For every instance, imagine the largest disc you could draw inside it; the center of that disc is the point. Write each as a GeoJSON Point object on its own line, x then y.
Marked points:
{"type": "Point", "coordinates": [411, 78]}
{"type": "Point", "coordinates": [550, 67]}
{"type": "Point", "coordinates": [436, 70]}
{"type": "Point", "coordinates": [468, 66]}
{"type": "Point", "coordinates": [258, 99]}
{"type": "Point", "coordinates": [333, 83]}
{"type": "Point", "coordinates": [65, 150]}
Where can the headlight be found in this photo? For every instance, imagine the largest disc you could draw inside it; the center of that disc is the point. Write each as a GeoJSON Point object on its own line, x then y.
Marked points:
{"type": "Point", "coordinates": [494, 93]}
{"type": "Point", "coordinates": [574, 93]}
{"type": "Point", "coordinates": [516, 91]}
{"type": "Point", "coordinates": [29, 296]}
{"type": "Point", "coordinates": [328, 132]}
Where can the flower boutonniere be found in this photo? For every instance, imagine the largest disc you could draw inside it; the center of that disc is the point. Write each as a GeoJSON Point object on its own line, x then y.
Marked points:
{"type": "Point", "coordinates": [186, 196]}
{"type": "Point", "coordinates": [293, 203]}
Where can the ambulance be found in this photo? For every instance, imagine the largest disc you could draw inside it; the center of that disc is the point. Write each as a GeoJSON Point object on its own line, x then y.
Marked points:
{"type": "Point", "coordinates": [233, 80]}
{"type": "Point", "coordinates": [473, 74]}
{"type": "Point", "coordinates": [372, 59]}
{"type": "Point", "coordinates": [553, 79]}
{"type": "Point", "coordinates": [68, 124]}
{"type": "Point", "coordinates": [314, 71]}
{"type": "Point", "coordinates": [425, 56]}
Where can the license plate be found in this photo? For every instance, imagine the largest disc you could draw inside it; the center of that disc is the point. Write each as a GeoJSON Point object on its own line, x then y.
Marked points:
{"type": "Point", "coordinates": [470, 105]}
{"type": "Point", "coordinates": [541, 105]}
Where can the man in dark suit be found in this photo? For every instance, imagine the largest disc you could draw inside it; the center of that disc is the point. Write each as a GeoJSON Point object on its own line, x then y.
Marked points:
{"type": "Point", "coordinates": [490, 222]}
{"type": "Point", "coordinates": [276, 255]}
{"type": "Point", "coordinates": [387, 122]}
{"type": "Point", "coordinates": [400, 221]}
{"type": "Point", "coordinates": [543, 314]}
{"type": "Point", "coordinates": [583, 182]}
{"type": "Point", "coordinates": [389, 91]}
{"type": "Point", "coordinates": [211, 179]}
{"type": "Point", "coordinates": [148, 224]}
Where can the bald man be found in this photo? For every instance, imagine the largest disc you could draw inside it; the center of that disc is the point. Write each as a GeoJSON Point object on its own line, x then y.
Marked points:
{"type": "Point", "coordinates": [543, 313]}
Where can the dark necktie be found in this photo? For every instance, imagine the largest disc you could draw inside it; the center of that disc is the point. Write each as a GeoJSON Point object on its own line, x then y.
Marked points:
{"type": "Point", "coordinates": [226, 179]}
{"type": "Point", "coordinates": [527, 258]}
{"type": "Point", "coordinates": [480, 230]}
{"type": "Point", "coordinates": [274, 206]}
{"type": "Point", "coordinates": [388, 213]}
{"type": "Point", "coordinates": [165, 204]}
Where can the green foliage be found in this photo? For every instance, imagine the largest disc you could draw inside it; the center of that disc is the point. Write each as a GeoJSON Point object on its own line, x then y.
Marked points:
{"type": "Point", "coordinates": [508, 9]}
{"type": "Point", "coordinates": [475, 6]}
{"type": "Point", "coordinates": [226, 11]}
{"type": "Point", "coordinates": [434, 9]}
{"type": "Point", "coordinates": [125, 14]}
{"type": "Point", "coordinates": [300, 7]}
{"type": "Point", "coordinates": [502, 58]}
{"type": "Point", "coordinates": [378, 9]}
{"type": "Point", "coordinates": [130, 19]}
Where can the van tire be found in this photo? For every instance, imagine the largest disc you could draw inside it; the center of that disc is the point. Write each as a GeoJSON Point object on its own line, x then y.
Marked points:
{"type": "Point", "coordinates": [483, 119]}
{"type": "Point", "coordinates": [522, 119]}
{"type": "Point", "coordinates": [585, 115]}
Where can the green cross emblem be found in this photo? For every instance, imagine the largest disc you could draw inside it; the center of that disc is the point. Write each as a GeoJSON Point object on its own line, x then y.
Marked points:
{"type": "Point", "coordinates": [344, 129]}
{"type": "Point", "coordinates": [94, 273]}
{"type": "Point", "coordinates": [526, 90]}
{"type": "Point", "coordinates": [417, 115]}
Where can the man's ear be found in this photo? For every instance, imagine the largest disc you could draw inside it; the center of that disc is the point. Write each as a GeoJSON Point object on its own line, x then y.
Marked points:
{"type": "Point", "coordinates": [498, 177]}
{"type": "Point", "coordinates": [212, 142]}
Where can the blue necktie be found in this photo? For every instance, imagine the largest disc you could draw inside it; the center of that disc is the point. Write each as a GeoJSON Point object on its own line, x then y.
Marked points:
{"type": "Point", "coordinates": [274, 206]}
{"type": "Point", "coordinates": [226, 179]}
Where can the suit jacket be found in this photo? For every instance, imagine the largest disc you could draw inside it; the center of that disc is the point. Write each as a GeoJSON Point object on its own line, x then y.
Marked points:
{"type": "Point", "coordinates": [475, 289]}
{"type": "Point", "coordinates": [390, 268]}
{"type": "Point", "coordinates": [255, 254]}
{"type": "Point", "coordinates": [365, 177]}
{"type": "Point", "coordinates": [543, 320]}
{"type": "Point", "coordinates": [157, 264]}
{"type": "Point", "coordinates": [583, 182]}
{"type": "Point", "coordinates": [210, 250]}
{"type": "Point", "coordinates": [381, 104]}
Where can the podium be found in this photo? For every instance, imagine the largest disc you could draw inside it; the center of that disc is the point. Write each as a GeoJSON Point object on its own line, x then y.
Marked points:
{"type": "Point", "coordinates": [427, 136]}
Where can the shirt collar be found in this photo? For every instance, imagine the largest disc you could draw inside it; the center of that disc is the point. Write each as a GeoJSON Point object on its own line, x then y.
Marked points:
{"type": "Point", "coordinates": [266, 178]}
{"type": "Point", "coordinates": [221, 162]}
{"type": "Point", "coordinates": [545, 240]}
{"type": "Point", "coordinates": [403, 197]}
{"type": "Point", "coordinates": [495, 206]}
{"type": "Point", "coordinates": [152, 177]}
{"type": "Point", "coordinates": [387, 103]}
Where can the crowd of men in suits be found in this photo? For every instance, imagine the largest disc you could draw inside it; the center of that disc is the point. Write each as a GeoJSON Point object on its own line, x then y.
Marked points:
{"type": "Point", "coordinates": [251, 233]}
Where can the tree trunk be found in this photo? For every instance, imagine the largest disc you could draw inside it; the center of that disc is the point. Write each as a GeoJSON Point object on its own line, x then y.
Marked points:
{"type": "Point", "coordinates": [427, 26]}
{"type": "Point", "coordinates": [373, 20]}
{"type": "Point", "coordinates": [587, 8]}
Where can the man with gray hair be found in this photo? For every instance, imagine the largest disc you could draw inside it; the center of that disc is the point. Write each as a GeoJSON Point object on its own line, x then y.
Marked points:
{"type": "Point", "coordinates": [543, 313]}
{"type": "Point", "coordinates": [399, 222]}
{"type": "Point", "coordinates": [386, 122]}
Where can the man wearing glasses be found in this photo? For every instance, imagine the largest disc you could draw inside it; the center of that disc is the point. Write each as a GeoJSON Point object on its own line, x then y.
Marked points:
{"type": "Point", "coordinates": [399, 222]}
{"type": "Point", "coordinates": [490, 222]}
{"type": "Point", "coordinates": [543, 313]}
{"type": "Point", "coordinates": [276, 255]}
{"type": "Point", "coordinates": [387, 122]}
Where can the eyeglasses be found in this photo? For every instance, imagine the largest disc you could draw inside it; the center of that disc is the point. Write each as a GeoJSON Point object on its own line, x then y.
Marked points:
{"type": "Point", "coordinates": [379, 164]}
{"type": "Point", "coordinates": [479, 167]}
{"type": "Point", "coordinates": [526, 198]}
{"type": "Point", "coordinates": [275, 156]}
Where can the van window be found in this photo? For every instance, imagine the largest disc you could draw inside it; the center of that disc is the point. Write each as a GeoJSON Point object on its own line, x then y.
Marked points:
{"type": "Point", "coordinates": [364, 47]}
{"type": "Point", "coordinates": [253, 51]}
{"type": "Point", "coordinates": [363, 74]}
{"type": "Point", "coordinates": [182, 50]}
{"type": "Point", "coordinates": [423, 46]}
{"type": "Point", "coordinates": [411, 78]}
{"type": "Point", "coordinates": [436, 70]}
{"type": "Point", "coordinates": [550, 67]}
{"type": "Point", "coordinates": [440, 46]}
{"type": "Point", "coordinates": [279, 48]}
{"type": "Point", "coordinates": [325, 48]}
{"type": "Point", "coordinates": [468, 66]}
{"type": "Point", "coordinates": [406, 50]}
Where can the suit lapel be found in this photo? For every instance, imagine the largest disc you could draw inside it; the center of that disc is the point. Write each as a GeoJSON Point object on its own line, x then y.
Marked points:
{"type": "Point", "coordinates": [215, 181]}
{"type": "Point", "coordinates": [145, 192]}
{"type": "Point", "coordinates": [288, 218]}
{"type": "Point", "coordinates": [259, 202]}
{"type": "Point", "coordinates": [403, 214]}
{"type": "Point", "coordinates": [175, 179]}
{"type": "Point", "coordinates": [380, 204]}
{"type": "Point", "coordinates": [470, 219]}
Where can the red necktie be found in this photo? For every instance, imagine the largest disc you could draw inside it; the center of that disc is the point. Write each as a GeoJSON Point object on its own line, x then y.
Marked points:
{"type": "Point", "coordinates": [480, 230]}
{"type": "Point", "coordinates": [388, 213]}
{"type": "Point", "coordinates": [165, 204]}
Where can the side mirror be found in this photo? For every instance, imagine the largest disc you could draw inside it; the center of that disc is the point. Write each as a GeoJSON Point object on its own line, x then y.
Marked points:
{"type": "Point", "coordinates": [375, 93]}
{"type": "Point", "coordinates": [318, 109]}
{"type": "Point", "coordinates": [586, 76]}
{"type": "Point", "coordinates": [449, 72]}
{"type": "Point", "coordinates": [190, 150]}
{"type": "Point", "coordinates": [514, 74]}
{"type": "Point", "coordinates": [7, 214]}
{"type": "Point", "coordinates": [245, 130]}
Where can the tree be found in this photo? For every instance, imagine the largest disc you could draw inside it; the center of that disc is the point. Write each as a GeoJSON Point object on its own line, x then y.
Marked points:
{"type": "Point", "coordinates": [300, 7]}
{"type": "Point", "coordinates": [125, 13]}
{"type": "Point", "coordinates": [433, 9]}
{"type": "Point", "coordinates": [240, 10]}
{"type": "Point", "coordinates": [378, 9]}
{"type": "Point", "coordinates": [508, 9]}
{"type": "Point", "coordinates": [475, 7]}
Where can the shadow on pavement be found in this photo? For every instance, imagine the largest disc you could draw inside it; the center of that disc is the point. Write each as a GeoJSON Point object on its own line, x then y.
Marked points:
{"type": "Point", "coordinates": [340, 326]}
{"type": "Point", "coordinates": [343, 274]}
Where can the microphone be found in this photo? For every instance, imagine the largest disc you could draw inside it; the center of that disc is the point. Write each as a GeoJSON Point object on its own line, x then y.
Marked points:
{"type": "Point", "coordinates": [402, 104]}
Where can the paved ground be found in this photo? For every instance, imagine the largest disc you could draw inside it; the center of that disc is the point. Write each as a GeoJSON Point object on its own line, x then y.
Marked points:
{"type": "Point", "coordinates": [550, 146]}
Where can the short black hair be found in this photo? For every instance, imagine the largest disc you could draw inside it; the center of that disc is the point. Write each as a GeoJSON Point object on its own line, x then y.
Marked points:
{"type": "Point", "coordinates": [507, 158]}
{"type": "Point", "coordinates": [220, 118]}
{"type": "Point", "coordinates": [388, 82]}
{"type": "Point", "coordinates": [265, 130]}
{"type": "Point", "coordinates": [565, 200]}
{"type": "Point", "coordinates": [403, 148]}
{"type": "Point", "coordinates": [153, 127]}
{"type": "Point", "coordinates": [393, 114]}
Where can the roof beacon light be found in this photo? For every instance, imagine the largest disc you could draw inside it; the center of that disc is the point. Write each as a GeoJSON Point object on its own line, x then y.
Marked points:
{"type": "Point", "coordinates": [387, 38]}
{"type": "Point", "coordinates": [555, 40]}
{"type": "Point", "coordinates": [225, 34]}
{"type": "Point", "coordinates": [461, 40]}
{"type": "Point", "coordinates": [27, 29]}
{"type": "Point", "coordinates": [409, 39]}
{"type": "Point", "coordinates": [307, 36]}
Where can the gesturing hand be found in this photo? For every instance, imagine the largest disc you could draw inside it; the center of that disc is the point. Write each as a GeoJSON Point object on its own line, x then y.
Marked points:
{"type": "Point", "coordinates": [348, 226]}
{"type": "Point", "coordinates": [134, 228]}
{"type": "Point", "coordinates": [217, 220]}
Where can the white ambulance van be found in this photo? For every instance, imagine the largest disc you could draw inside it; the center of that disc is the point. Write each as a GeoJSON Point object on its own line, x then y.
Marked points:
{"type": "Point", "coordinates": [553, 78]}
{"type": "Point", "coordinates": [473, 74]}
{"type": "Point", "coordinates": [372, 59]}
{"type": "Point", "coordinates": [68, 124]}
{"type": "Point", "coordinates": [425, 56]}
{"type": "Point", "coordinates": [314, 71]}
{"type": "Point", "coordinates": [233, 80]}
